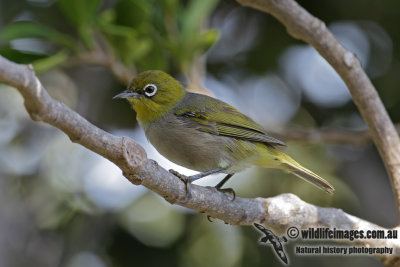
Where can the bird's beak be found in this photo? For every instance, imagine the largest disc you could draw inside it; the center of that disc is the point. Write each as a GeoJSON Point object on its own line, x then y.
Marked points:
{"type": "Point", "coordinates": [127, 94]}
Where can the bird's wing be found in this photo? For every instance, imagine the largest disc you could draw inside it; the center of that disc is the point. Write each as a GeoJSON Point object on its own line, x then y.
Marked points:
{"type": "Point", "coordinates": [216, 117]}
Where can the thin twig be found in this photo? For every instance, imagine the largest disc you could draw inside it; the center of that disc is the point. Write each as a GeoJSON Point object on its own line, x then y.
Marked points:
{"type": "Point", "coordinates": [98, 57]}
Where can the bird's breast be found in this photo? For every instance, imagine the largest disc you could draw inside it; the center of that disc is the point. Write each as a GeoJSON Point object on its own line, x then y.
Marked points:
{"type": "Point", "coordinates": [184, 145]}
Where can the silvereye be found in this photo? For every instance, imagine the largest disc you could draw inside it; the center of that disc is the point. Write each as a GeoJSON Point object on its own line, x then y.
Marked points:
{"type": "Point", "coordinates": [205, 134]}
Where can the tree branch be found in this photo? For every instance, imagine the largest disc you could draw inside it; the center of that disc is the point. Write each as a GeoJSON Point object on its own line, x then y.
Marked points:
{"type": "Point", "coordinates": [276, 212]}
{"type": "Point", "coordinates": [302, 25]}
{"type": "Point", "coordinates": [100, 58]}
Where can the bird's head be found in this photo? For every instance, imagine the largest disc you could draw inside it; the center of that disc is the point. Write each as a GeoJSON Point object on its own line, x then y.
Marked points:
{"type": "Point", "coordinates": [152, 94]}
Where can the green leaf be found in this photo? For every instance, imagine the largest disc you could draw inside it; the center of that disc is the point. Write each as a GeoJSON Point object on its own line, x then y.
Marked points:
{"type": "Point", "coordinates": [33, 30]}
{"type": "Point", "coordinates": [107, 16]}
{"type": "Point", "coordinates": [140, 50]}
{"type": "Point", "coordinates": [80, 12]}
{"type": "Point", "coordinates": [125, 41]}
{"type": "Point", "coordinates": [183, 53]}
{"type": "Point", "coordinates": [194, 15]}
{"type": "Point", "coordinates": [207, 39]}
{"type": "Point", "coordinates": [86, 33]}
{"type": "Point", "coordinates": [23, 57]}
{"type": "Point", "coordinates": [171, 5]}
{"type": "Point", "coordinates": [117, 30]}
{"type": "Point", "coordinates": [132, 13]}
{"type": "Point", "coordinates": [44, 64]}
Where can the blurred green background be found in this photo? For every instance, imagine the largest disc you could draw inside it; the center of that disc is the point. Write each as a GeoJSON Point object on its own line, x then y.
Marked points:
{"type": "Point", "coordinates": [62, 205]}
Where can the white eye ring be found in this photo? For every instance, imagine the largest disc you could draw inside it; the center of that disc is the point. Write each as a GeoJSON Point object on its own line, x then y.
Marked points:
{"type": "Point", "coordinates": [150, 89]}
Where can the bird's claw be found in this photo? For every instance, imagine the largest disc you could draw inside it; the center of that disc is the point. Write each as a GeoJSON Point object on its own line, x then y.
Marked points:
{"type": "Point", "coordinates": [229, 191]}
{"type": "Point", "coordinates": [208, 216]}
{"type": "Point", "coordinates": [185, 179]}
{"type": "Point", "coordinates": [177, 174]}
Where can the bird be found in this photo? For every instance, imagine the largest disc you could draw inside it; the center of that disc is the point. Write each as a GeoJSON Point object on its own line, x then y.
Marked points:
{"type": "Point", "coordinates": [205, 134]}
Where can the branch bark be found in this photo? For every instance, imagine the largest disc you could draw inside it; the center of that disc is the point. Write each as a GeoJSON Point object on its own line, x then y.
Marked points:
{"type": "Point", "coordinates": [302, 25]}
{"type": "Point", "coordinates": [276, 213]}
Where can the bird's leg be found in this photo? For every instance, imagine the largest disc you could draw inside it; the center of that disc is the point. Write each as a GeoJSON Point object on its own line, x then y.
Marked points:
{"type": "Point", "coordinates": [189, 179]}
{"type": "Point", "coordinates": [226, 190]}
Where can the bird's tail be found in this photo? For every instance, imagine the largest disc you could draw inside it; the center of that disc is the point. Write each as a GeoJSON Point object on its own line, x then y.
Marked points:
{"type": "Point", "coordinates": [278, 159]}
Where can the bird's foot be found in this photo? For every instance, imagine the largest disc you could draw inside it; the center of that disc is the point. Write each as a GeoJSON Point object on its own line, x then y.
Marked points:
{"type": "Point", "coordinates": [186, 180]}
{"type": "Point", "coordinates": [209, 217]}
{"type": "Point", "coordinates": [228, 191]}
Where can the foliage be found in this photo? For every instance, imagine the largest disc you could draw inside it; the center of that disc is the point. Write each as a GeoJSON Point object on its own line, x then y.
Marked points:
{"type": "Point", "coordinates": [146, 34]}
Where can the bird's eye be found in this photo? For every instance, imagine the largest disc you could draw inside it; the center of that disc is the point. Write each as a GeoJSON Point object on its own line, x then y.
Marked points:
{"type": "Point", "coordinates": [150, 90]}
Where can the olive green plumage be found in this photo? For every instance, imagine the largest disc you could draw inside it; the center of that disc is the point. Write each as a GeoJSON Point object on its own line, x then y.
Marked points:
{"type": "Point", "coordinates": [203, 133]}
